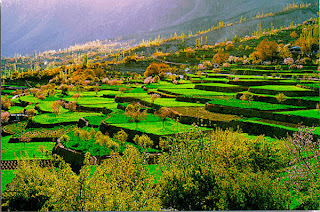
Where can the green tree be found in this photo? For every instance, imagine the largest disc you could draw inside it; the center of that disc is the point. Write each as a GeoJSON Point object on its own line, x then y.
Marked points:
{"type": "Point", "coordinates": [120, 183]}
{"type": "Point", "coordinates": [223, 170]}
{"type": "Point", "coordinates": [281, 97]}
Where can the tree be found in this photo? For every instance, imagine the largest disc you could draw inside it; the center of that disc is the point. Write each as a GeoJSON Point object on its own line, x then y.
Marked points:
{"type": "Point", "coordinates": [96, 89]}
{"type": "Point", "coordinates": [294, 34]}
{"type": "Point", "coordinates": [5, 102]}
{"type": "Point", "coordinates": [76, 96]}
{"type": "Point", "coordinates": [281, 97]}
{"type": "Point", "coordinates": [144, 141]}
{"type": "Point", "coordinates": [266, 50]}
{"type": "Point", "coordinates": [71, 106]}
{"type": "Point", "coordinates": [247, 96]}
{"type": "Point", "coordinates": [121, 136]}
{"type": "Point", "coordinates": [154, 97]}
{"type": "Point", "coordinates": [56, 107]}
{"type": "Point", "coordinates": [163, 113]}
{"type": "Point", "coordinates": [134, 113]}
{"type": "Point", "coordinates": [220, 57]}
{"type": "Point", "coordinates": [190, 52]}
{"type": "Point", "coordinates": [31, 112]}
{"type": "Point", "coordinates": [105, 140]}
{"type": "Point", "coordinates": [120, 183]}
{"type": "Point", "coordinates": [242, 175]}
{"type": "Point", "coordinates": [5, 117]}
{"type": "Point", "coordinates": [157, 69]}
{"type": "Point", "coordinates": [304, 168]}
{"type": "Point", "coordinates": [284, 51]}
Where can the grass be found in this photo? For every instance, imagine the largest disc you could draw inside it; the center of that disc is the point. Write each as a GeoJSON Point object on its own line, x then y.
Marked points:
{"type": "Point", "coordinates": [250, 104]}
{"type": "Point", "coordinates": [108, 105]}
{"type": "Point", "coordinates": [304, 113]}
{"type": "Point", "coordinates": [170, 127]}
{"type": "Point", "coordinates": [95, 120]}
{"type": "Point", "coordinates": [119, 117]}
{"type": "Point", "coordinates": [219, 85]}
{"type": "Point", "coordinates": [16, 109]}
{"type": "Point", "coordinates": [87, 100]}
{"type": "Point", "coordinates": [46, 106]}
{"type": "Point", "coordinates": [196, 92]}
{"type": "Point", "coordinates": [280, 88]}
{"type": "Point", "coordinates": [6, 178]}
{"type": "Point", "coordinates": [50, 118]}
{"type": "Point", "coordinates": [9, 150]}
{"type": "Point", "coordinates": [29, 98]}
{"type": "Point", "coordinates": [169, 102]}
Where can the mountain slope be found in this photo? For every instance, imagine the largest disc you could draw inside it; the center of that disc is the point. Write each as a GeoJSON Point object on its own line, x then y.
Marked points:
{"type": "Point", "coordinates": [41, 25]}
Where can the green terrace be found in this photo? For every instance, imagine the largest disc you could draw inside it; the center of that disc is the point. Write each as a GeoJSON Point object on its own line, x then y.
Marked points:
{"type": "Point", "coordinates": [152, 124]}
{"type": "Point", "coordinates": [251, 104]}
{"type": "Point", "coordinates": [304, 113]}
{"type": "Point", "coordinates": [50, 118]}
{"type": "Point", "coordinates": [196, 92]}
{"type": "Point", "coordinates": [9, 151]}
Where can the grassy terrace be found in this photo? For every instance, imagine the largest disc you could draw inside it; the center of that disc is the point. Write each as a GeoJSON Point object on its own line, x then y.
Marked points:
{"type": "Point", "coordinates": [219, 85]}
{"type": "Point", "coordinates": [90, 100]}
{"type": "Point", "coordinates": [6, 177]}
{"type": "Point", "coordinates": [11, 150]}
{"type": "Point", "coordinates": [169, 85]}
{"type": "Point", "coordinates": [50, 118]}
{"type": "Point", "coordinates": [304, 113]}
{"type": "Point", "coordinates": [46, 106]}
{"type": "Point", "coordinates": [29, 98]}
{"type": "Point", "coordinates": [196, 92]}
{"type": "Point", "coordinates": [152, 124]}
{"type": "Point", "coordinates": [250, 104]}
{"type": "Point", "coordinates": [280, 88]}
{"type": "Point", "coordinates": [168, 102]}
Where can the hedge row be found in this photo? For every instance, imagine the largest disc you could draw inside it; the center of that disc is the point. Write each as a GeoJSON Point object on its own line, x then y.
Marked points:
{"type": "Point", "coordinates": [262, 114]}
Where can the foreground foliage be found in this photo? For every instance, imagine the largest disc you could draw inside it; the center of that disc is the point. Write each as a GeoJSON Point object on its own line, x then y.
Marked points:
{"type": "Point", "coordinates": [120, 183]}
{"type": "Point", "coordinates": [220, 170]}
{"type": "Point", "coordinates": [223, 170]}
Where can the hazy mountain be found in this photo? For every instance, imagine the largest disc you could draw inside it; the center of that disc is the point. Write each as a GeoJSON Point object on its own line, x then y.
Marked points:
{"type": "Point", "coordinates": [28, 25]}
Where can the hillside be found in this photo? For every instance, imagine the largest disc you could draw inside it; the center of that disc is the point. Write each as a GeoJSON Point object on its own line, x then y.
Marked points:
{"type": "Point", "coordinates": [37, 25]}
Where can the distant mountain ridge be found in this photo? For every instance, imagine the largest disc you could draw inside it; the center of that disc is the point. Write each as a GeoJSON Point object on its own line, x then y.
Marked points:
{"type": "Point", "coordinates": [39, 25]}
